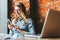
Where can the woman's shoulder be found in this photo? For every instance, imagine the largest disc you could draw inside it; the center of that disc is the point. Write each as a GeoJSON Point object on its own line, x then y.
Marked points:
{"type": "Point", "coordinates": [29, 20]}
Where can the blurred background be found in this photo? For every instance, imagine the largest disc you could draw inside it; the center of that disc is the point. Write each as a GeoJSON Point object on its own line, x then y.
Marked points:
{"type": "Point", "coordinates": [37, 9]}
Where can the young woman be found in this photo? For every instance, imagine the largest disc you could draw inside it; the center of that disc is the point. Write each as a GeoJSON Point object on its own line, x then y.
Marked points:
{"type": "Point", "coordinates": [21, 24]}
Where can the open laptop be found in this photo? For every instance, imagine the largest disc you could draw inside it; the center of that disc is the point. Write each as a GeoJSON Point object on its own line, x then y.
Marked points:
{"type": "Point", "coordinates": [51, 28]}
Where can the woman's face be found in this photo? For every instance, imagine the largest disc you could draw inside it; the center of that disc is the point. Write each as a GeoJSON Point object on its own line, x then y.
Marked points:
{"type": "Point", "coordinates": [18, 10]}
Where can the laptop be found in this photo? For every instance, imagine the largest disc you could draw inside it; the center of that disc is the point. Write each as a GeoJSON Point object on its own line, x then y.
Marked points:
{"type": "Point", "coordinates": [51, 27]}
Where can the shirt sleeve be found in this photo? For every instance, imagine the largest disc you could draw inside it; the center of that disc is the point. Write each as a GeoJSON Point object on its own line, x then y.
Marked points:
{"type": "Point", "coordinates": [30, 28]}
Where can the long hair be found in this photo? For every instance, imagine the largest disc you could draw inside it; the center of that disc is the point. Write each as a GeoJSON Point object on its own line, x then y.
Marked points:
{"type": "Point", "coordinates": [23, 9]}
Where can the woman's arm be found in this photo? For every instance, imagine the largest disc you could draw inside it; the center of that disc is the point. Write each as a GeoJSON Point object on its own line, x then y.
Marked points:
{"type": "Point", "coordinates": [31, 31]}
{"type": "Point", "coordinates": [30, 28]}
{"type": "Point", "coordinates": [18, 29]}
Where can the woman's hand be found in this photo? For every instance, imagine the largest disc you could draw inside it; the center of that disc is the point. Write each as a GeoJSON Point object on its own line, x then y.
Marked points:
{"type": "Point", "coordinates": [16, 27]}
{"type": "Point", "coordinates": [10, 26]}
{"type": "Point", "coordinates": [19, 30]}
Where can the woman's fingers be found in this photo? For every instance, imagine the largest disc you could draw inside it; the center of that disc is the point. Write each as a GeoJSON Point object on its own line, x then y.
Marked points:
{"type": "Point", "coordinates": [16, 27]}
{"type": "Point", "coordinates": [10, 26]}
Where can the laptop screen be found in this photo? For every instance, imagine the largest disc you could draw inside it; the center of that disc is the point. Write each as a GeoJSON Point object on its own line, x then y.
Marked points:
{"type": "Point", "coordinates": [52, 24]}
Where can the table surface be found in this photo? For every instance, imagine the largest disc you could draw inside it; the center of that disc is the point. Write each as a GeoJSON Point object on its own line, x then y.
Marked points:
{"type": "Point", "coordinates": [3, 36]}
{"type": "Point", "coordinates": [36, 39]}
